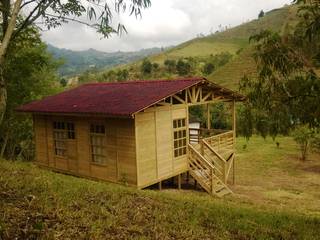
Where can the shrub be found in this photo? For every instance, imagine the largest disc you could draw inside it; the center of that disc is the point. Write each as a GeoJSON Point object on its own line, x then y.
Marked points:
{"type": "Point", "coordinates": [306, 138]}
{"type": "Point", "coordinates": [208, 68]}
{"type": "Point", "coordinates": [146, 67]}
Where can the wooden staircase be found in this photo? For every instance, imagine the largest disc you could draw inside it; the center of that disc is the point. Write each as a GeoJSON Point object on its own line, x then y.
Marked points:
{"type": "Point", "coordinates": [211, 162]}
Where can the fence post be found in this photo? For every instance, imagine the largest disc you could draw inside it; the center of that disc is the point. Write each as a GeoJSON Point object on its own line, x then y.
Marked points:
{"type": "Point", "coordinates": [201, 147]}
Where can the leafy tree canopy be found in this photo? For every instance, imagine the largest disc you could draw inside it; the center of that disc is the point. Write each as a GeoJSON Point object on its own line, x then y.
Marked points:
{"type": "Point", "coordinates": [286, 91]}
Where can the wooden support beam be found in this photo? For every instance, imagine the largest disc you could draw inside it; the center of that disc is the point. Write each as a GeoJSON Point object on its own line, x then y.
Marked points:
{"type": "Point", "coordinates": [233, 171]}
{"type": "Point", "coordinates": [178, 98]}
{"type": "Point", "coordinates": [234, 121]}
{"type": "Point", "coordinates": [179, 181]}
{"type": "Point", "coordinates": [208, 117]}
{"type": "Point", "coordinates": [160, 185]}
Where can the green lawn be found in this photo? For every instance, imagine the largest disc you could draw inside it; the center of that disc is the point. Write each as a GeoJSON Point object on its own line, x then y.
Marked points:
{"type": "Point", "coordinates": [276, 197]}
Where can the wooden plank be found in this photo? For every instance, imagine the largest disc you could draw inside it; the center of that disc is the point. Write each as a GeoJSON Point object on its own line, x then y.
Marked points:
{"type": "Point", "coordinates": [146, 152]}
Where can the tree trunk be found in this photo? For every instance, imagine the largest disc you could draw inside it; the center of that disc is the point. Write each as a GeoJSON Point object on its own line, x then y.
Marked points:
{"type": "Point", "coordinates": [4, 145]}
{"type": "Point", "coordinates": [3, 50]}
{"type": "Point", "coordinates": [3, 95]}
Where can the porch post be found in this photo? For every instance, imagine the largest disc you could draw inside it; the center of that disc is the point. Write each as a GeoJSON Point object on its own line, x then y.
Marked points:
{"type": "Point", "coordinates": [234, 120]}
{"type": "Point", "coordinates": [208, 116]}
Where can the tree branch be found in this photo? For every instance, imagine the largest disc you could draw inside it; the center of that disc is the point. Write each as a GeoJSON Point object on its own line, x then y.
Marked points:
{"type": "Point", "coordinates": [8, 33]}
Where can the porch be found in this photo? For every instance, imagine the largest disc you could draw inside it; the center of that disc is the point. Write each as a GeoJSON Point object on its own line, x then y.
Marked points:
{"type": "Point", "coordinates": [211, 155]}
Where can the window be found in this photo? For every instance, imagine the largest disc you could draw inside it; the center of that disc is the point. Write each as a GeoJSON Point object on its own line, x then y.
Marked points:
{"type": "Point", "coordinates": [70, 130]}
{"type": "Point", "coordinates": [180, 137]}
{"type": "Point", "coordinates": [61, 132]}
{"type": "Point", "coordinates": [98, 142]}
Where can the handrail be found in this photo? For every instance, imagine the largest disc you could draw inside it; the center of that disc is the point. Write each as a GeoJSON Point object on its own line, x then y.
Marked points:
{"type": "Point", "coordinates": [214, 151]}
{"type": "Point", "coordinates": [202, 158]}
{"type": "Point", "coordinates": [219, 135]}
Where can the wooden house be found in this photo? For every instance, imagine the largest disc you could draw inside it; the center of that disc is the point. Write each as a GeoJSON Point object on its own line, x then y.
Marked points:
{"type": "Point", "coordinates": [134, 132]}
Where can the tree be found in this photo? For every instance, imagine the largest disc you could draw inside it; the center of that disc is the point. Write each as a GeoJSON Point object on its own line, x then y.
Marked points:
{"type": "Point", "coordinates": [63, 82]}
{"type": "Point", "coordinates": [146, 66]}
{"type": "Point", "coordinates": [122, 75]}
{"type": "Point", "coordinates": [208, 68]}
{"type": "Point", "coordinates": [261, 14]}
{"type": "Point", "coordinates": [155, 66]}
{"type": "Point", "coordinates": [183, 67]}
{"type": "Point", "coordinates": [286, 92]}
{"type": "Point", "coordinates": [54, 13]}
{"type": "Point", "coordinates": [26, 59]}
{"type": "Point", "coordinates": [170, 65]}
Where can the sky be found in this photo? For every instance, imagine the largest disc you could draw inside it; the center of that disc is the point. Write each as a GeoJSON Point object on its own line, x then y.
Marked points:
{"type": "Point", "coordinates": [165, 23]}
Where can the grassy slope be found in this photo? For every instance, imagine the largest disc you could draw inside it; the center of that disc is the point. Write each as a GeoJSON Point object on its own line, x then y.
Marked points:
{"type": "Point", "coordinates": [244, 64]}
{"type": "Point", "coordinates": [276, 197]}
{"type": "Point", "coordinates": [230, 40]}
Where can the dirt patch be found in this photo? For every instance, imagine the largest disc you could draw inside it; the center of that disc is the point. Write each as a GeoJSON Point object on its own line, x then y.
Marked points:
{"type": "Point", "coordinates": [314, 169]}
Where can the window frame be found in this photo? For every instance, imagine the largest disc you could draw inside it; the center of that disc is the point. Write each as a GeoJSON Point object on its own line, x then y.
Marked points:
{"type": "Point", "coordinates": [102, 146]}
{"type": "Point", "coordinates": [63, 128]}
{"type": "Point", "coordinates": [180, 137]}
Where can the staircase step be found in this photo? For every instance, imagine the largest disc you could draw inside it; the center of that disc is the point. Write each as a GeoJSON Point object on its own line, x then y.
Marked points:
{"type": "Point", "coordinates": [218, 188]}
{"type": "Point", "coordinates": [223, 192]}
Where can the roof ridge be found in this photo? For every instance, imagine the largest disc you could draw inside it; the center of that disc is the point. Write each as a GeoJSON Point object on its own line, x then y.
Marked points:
{"type": "Point", "coordinates": [146, 81]}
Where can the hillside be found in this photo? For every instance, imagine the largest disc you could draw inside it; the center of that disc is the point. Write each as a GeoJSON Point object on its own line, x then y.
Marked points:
{"type": "Point", "coordinates": [276, 197]}
{"type": "Point", "coordinates": [75, 62]}
{"type": "Point", "coordinates": [230, 40]}
{"type": "Point", "coordinates": [198, 52]}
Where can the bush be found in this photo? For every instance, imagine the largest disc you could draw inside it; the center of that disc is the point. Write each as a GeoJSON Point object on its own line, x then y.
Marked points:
{"type": "Point", "coordinates": [208, 68]}
{"type": "Point", "coordinates": [307, 140]}
{"type": "Point", "coordinates": [183, 67]}
{"type": "Point", "coordinates": [146, 67]}
{"type": "Point", "coordinates": [170, 65]}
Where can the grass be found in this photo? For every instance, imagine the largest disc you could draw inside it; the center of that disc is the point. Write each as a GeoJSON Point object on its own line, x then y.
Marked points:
{"type": "Point", "coordinates": [230, 74]}
{"type": "Point", "coordinates": [39, 204]}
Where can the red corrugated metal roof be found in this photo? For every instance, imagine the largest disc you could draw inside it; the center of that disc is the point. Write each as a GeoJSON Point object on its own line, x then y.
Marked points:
{"type": "Point", "coordinates": [113, 99]}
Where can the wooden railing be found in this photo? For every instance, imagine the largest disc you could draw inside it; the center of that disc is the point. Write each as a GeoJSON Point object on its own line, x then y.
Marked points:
{"type": "Point", "coordinates": [201, 169]}
{"type": "Point", "coordinates": [196, 134]}
{"type": "Point", "coordinates": [222, 142]}
{"type": "Point", "coordinates": [219, 149]}
{"type": "Point", "coordinates": [205, 173]}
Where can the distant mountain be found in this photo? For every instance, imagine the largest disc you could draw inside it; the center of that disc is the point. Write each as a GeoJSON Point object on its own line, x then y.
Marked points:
{"type": "Point", "coordinates": [76, 62]}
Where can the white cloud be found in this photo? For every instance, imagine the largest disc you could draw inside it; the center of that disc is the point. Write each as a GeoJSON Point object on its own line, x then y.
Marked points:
{"type": "Point", "coordinates": [167, 22]}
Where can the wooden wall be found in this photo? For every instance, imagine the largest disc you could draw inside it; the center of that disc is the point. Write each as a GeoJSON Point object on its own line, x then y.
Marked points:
{"type": "Point", "coordinates": [120, 148]}
{"type": "Point", "coordinates": [154, 144]}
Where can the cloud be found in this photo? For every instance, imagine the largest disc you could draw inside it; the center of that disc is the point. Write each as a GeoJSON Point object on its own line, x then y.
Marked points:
{"type": "Point", "coordinates": [165, 23]}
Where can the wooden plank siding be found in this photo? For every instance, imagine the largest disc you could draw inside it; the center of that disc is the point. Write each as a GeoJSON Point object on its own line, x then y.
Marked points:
{"type": "Point", "coordinates": [120, 148]}
{"type": "Point", "coordinates": [154, 144]}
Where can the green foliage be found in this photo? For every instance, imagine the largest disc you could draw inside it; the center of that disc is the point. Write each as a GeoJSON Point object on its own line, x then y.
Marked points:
{"type": "Point", "coordinates": [245, 121]}
{"type": "Point", "coordinates": [286, 91]}
{"type": "Point", "coordinates": [170, 65]}
{"type": "Point", "coordinates": [304, 136]}
{"type": "Point", "coordinates": [31, 74]}
{"type": "Point", "coordinates": [155, 66]}
{"type": "Point", "coordinates": [56, 13]}
{"type": "Point", "coordinates": [146, 67]}
{"type": "Point", "coordinates": [261, 14]}
{"type": "Point", "coordinates": [63, 82]}
{"type": "Point", "coordinates": [122, 75]}
{"type": "Point", "coordinates": [220, 116]}
{"type": "Point", "coordinates": [208, 68]}
{"type": "Point", "coordinates": [183, 67]}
